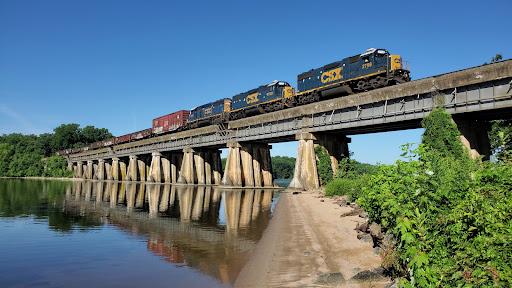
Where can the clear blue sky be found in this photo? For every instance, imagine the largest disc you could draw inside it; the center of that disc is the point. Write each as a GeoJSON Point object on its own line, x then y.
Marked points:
{"type": "Point", "coordinates": [119, 64]}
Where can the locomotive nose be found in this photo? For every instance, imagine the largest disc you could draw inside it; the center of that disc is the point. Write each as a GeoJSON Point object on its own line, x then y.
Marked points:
{"type": "Point", "coordinates": [396, 62]}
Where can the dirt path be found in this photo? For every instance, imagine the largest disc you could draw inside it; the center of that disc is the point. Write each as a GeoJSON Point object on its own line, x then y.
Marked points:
{"type": "Point", "coordinates": [308, 244]}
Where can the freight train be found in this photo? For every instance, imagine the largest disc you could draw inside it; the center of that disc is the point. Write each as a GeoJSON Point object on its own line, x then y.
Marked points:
{"type": "Point", "coordinates": [375, 68]}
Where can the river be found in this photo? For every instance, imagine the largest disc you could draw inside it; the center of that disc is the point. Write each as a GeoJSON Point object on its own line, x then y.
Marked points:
{"type": "Point", "coordinates": [113, 234]}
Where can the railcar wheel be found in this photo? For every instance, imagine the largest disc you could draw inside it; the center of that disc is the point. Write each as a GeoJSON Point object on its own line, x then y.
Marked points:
{"type": "Point", "coordinates": [361, 85]}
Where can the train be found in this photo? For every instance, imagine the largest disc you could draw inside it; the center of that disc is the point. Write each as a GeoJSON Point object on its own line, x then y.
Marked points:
{"type": "Point", "coordinates": [374, 68]}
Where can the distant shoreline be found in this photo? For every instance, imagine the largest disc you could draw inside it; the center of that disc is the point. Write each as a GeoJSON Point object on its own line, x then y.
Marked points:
{"type": "Point", "coordinates": [40, 178]}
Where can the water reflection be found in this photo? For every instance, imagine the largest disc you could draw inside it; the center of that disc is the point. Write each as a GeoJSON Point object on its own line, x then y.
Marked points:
{"type": "Point", "coordinates": [209, 229]}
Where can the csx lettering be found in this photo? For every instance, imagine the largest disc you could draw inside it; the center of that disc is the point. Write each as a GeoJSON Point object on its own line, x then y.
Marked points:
{"type": "Point", "coordinates": [367, 65]}
{"type": "Point", "coordinates": [252, 98]}
{"type": "Point", "coordinates": [331, 75]}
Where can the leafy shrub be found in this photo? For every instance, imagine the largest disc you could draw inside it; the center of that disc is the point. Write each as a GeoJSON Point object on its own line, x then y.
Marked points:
{"type": "Point", "coordinates": [451, 216]}
{"type": "Point", "coordinates": [350, 186]}
{"type": "Point", "coordinates": [56, 166]}
{"type": "Point", "coordinates": [323, 165]}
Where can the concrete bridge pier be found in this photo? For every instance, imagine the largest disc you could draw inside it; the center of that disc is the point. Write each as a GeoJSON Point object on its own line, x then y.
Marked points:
{"type": "Point", "coordinates": [100, 171]}
{"type": "Point", "coordinates": [187, 174]}
{"type": "Point", "coordinates": [89, 173]}
{"type": "Point", "coordinates": [199, 162]}
{"type": "Point", "coordinates": [166, 167]}
{"type": "Point", "coordinates": [248, 165]}
{"type": "Point", "coordinates": [132, 173]}
{"type": "Point", "coordinates": [475, 137]}
{"type": "Point", "coordinates": [305, 175]}
{"type": "Point", "coordinates": [108, 170]}
{"type": "Point", "coordinates": [233, 173]}
{"type": "Point", "coordinates": [94, 170]}
{"type": "Point", "coordinates": [141, 169]}
{"type": "Point", "coordinates": [79, 169]}
{"type": "Point", "coordinates": [208, 172]}
{"type": "Point", "coordinates": [155, 169]}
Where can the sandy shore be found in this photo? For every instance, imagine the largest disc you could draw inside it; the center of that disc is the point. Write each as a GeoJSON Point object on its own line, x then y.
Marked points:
{"type": "Point", "coordinates": [308, 244]}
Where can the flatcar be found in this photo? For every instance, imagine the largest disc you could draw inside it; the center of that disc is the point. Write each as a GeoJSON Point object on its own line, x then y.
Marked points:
{"type": "Point", "coordinates": [211, 113]}
{"type": "Point", "coordinates": [170, 122]}
{"type": "Point", "coordinates": [266, 98]}
{"type": "Point", "coordinates": [372, 69]}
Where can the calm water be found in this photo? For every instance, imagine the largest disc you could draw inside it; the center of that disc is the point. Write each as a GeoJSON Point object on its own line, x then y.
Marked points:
{"type": "Point", "coordinates": [99, 234]}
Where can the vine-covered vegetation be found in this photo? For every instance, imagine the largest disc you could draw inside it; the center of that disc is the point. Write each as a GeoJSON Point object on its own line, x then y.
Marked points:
{"type": "Point", "coordinates": [34, 155]}
{"type": "Point", "coordinates": [451, 216]}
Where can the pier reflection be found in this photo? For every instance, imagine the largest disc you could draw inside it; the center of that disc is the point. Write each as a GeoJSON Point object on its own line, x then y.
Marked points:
{"type": "Point", "coordinates": [206, 228]}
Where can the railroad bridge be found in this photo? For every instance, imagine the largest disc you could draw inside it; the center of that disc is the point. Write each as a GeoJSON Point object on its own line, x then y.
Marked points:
{"type": "Point", "coordinates": [473, 96]}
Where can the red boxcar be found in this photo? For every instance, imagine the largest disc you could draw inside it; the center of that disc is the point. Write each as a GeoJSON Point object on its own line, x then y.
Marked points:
{"type": "Point", "coordinates": [123, 139]}
{"type": "Point", "coordinates": [141, 134]}
{"type": "Point", "coordinates": [170, 122]}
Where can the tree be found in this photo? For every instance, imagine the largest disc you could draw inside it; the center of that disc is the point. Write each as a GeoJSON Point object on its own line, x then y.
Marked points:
{"type": "Point", "coordinates": [441, 134]}
{"type": "Point", "coordinates": [66, 136]}
{"type": "Point", "coordinates": [6, 152]}
{"type": "Point", "coordinates": [91, 134]}
{"type": "Point", "coordinates": [282, 167]}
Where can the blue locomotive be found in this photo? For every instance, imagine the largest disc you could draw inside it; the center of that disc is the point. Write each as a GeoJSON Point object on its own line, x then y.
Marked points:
{"type": "Point", "coordinates": [372, 69]}
{"type": "Point", "coordinates": [266, 98]}
{"type": "Point", "coordinates": [211, 113]}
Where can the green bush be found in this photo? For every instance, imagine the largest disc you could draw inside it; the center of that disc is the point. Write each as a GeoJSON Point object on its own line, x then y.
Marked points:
{"type": "Point", "coordinates": [351, 187]}
{"type": "Point", "coordinates": [451, 216]}
{"type": "Point", "coordinates": [56, 166]}
{"type": "Point", "coordinates": [323, 165]}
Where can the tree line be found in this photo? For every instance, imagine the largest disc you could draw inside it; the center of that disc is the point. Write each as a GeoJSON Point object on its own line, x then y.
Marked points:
{"type": "Point", "coordinates": [34, 155]}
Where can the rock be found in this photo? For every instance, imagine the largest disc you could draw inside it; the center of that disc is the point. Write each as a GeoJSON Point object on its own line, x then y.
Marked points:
{"type": "Point", "coordinates": [349, 213]}
{"type": "Point", "coordinates": [376, 231]}
{"type": "Point", "coordinates": [375, 274]}
{"type": "Point", "coordinates": [363, 227]}
{"type": "Point", "coordinates": [331, 279]}
{"type": "Point", "coordinates": [341, 201]}
{"type": "Point", "coordinates": [363, 214]}
{"type": "Point", "coordinates": [296, 192]}
{"type": "Point", "coordinates": [322, 200]}
{"type": "Point", "coordinates": [365, 237]}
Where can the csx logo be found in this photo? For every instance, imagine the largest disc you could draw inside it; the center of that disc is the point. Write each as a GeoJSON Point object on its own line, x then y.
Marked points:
{"type": "Point", "coordinates": [252, 98]}
{"type": "Point", "coordinates": [331, 75]}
